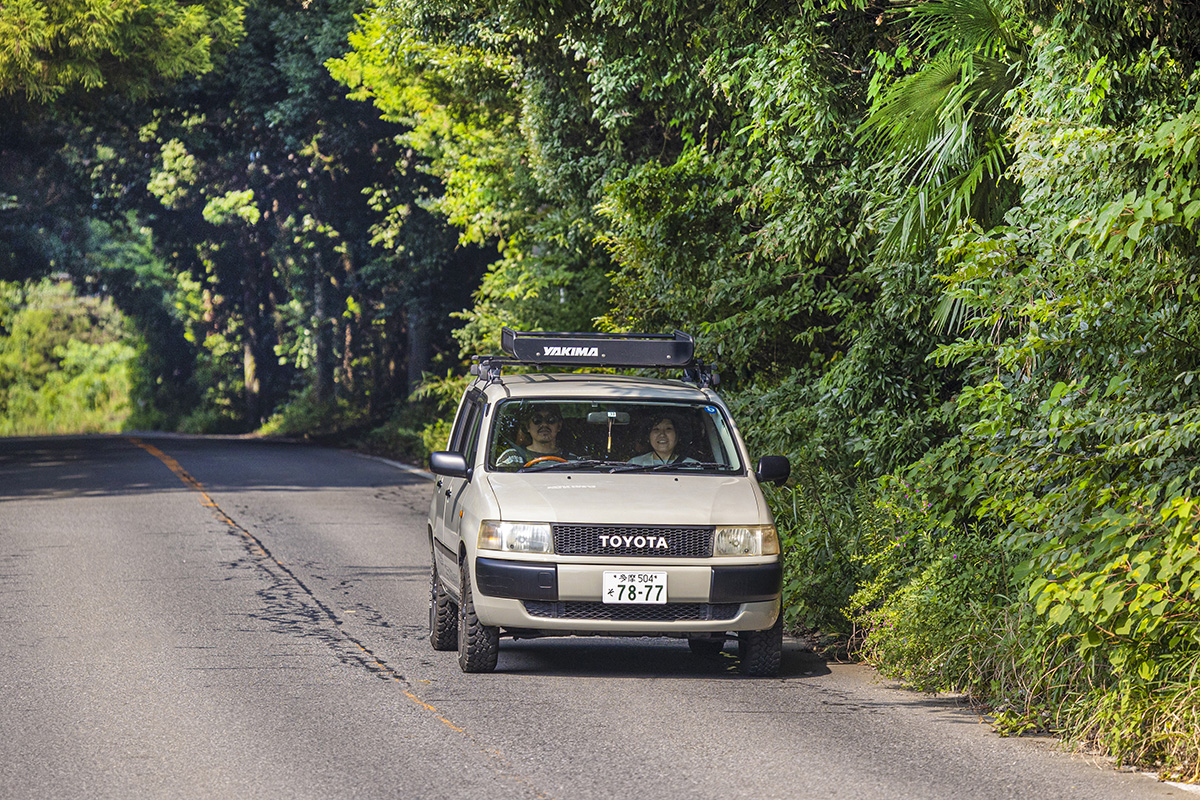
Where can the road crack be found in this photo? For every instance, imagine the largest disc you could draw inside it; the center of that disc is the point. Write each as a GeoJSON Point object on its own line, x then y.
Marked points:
{"type": "Point", "coordinates": [294, 609]}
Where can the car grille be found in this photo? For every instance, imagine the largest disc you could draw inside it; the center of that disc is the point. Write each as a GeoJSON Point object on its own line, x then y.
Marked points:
{"type": "Point", "coordinates": [619, 612]}
{"type": "Point", "coordinates": [585, 540]}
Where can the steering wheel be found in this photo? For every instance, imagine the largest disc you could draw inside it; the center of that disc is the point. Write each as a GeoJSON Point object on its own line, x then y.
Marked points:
{"type": "Point", "coordinates": [539, 459]}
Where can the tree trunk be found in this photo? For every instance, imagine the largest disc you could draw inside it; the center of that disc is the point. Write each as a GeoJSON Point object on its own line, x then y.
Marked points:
{"type": "Point", "coordinates": [261, 366]}
{"type": "Point", "coordinates": [348, 381]}
{"type": "Point", "coordinates": [418, 343]}
{"type": "Point", "coordinates": [323, 332]}
{"type": "Point", "coordinates": [252, 381]}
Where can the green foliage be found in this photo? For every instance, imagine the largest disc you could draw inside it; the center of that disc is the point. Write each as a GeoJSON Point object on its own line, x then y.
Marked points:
{"type": "Point", "coordinates": [436, 69]}
{"type": "Point", "coordinates": [822, 543]}
{"type": "Point", "coordinates": [64, 362]}
{"type": "Point", "coordinates": [404, 435]}
{"type": "Point", "coordinates": [49, 48]}
{"type": "Point", "coordinates": [306, 416]}
{"type": "Point", "coordinates": [926, 586]}
{"type": "Point", "coordinates": [937, 134]}
{"type": "Point", "coordinates": [440, 395]}
{"type": "Point", "coordinates": [120, 262]}
{"type": "Point", "coordinates": [674, 231]}
{"type": "Point", "coordinates": [502, 117]}
{"type": "Point", "coordinates": [410, 433]}
{"type": "Point", "coordinates": [1077, 443]}
{"type": "Point", "coordinates": [298, 254]}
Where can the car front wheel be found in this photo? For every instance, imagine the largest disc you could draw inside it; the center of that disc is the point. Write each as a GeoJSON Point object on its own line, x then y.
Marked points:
{"type": "Point", "coordinates": [761, 651]}
{"type": "Point", "coordinates": [478, 644]}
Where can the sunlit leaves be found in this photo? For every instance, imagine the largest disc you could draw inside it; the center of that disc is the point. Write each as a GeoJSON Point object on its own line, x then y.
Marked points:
{"type": "Point", "coordinates": [231, 206]}
{"type": "Point", "coordinates": [177, 172]}
{"type": "Point", "coordinates": [937, 135]}
{"type": "Point", "coordinates": [48, 48]}
{"type": "Point", "coordinates": [1170, 156]}
{"type": "Point", "coordinates": [65, 361]}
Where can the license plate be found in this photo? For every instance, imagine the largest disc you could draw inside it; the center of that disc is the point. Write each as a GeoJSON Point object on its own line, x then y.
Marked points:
{"type": "Point", "coordinates": [635, 587]}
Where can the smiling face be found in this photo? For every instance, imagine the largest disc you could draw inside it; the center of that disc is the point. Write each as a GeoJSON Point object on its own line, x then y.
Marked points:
{"type": "Point", "coordinates": [663, 438]}
{"type": "Point", "coordinates": [543, 429]}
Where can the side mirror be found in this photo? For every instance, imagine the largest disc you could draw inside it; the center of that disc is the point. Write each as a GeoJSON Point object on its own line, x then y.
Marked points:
{"type": "Point", "coordinates": [452, 465]}
{"type": "Point", "coordinates": [773, 469]}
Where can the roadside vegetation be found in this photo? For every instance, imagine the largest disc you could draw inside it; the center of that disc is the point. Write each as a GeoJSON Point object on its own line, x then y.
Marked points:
{"type": "Point", "coordinates": [944, 254]}
{"type": "Point", "coordinates": [65, 361]}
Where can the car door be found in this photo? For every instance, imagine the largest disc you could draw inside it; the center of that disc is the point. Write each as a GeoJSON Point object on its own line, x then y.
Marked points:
{"type": "Point", "coordinates": [464, 440]}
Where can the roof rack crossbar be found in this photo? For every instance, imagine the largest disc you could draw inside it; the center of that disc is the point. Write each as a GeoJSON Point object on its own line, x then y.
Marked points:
{"type": "Point", "coordinates": [615, 350]}
{"type": "Point", "coordinates": [599, 349]}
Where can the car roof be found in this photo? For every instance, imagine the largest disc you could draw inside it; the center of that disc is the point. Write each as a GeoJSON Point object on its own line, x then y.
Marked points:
{"type": "Point", "coordinates": [587, 386]}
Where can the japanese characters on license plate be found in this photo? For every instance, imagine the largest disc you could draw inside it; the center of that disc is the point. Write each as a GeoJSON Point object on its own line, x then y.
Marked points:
{"type": "Point", "coordinates": [635, 587]}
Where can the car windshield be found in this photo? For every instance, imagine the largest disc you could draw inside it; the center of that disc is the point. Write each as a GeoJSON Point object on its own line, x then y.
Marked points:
{"type": "Point", "coordinates": [613, 436]}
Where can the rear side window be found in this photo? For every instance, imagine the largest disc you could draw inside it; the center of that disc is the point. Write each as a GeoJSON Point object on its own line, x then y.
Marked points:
{"type": "Point", "coordinates": [465, 435]}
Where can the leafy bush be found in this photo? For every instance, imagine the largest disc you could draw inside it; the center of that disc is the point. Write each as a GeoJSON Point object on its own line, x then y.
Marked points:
{"type": "Point", "coordinates": [65, 361]}
{"type": "Point", "coordinates": [306, 416]}
{"type": "Point", "coordinates": [209, 419]}
{"type": "Point", "coordinates": [821, 541]}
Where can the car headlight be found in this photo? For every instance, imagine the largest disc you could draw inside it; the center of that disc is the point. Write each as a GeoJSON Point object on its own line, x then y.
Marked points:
{"type": "Point", "coordinates": [516, 537]}
{"type": "Point", "coordinates": [746, 540]}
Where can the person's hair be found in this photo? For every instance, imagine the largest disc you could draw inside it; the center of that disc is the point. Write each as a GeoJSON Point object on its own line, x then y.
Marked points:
{"type": "Point", "coordinates": [527, 412]}
{"type": "Point", "coordinates": [681, 429]}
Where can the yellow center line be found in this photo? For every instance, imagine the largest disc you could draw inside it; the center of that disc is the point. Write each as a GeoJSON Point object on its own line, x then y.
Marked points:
{"type": "Point", "coordinates": [502, 767]}
{"type": "Point", "coordinates": [205, 500]}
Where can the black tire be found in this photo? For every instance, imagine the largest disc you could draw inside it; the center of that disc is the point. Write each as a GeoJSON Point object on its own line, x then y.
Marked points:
{"type": "Point", "coordinates": [478, 644]}
{"type": "Point", "coordinates": [443, 615]}
{"type": "Point", "coordinates": [707, 645]}
{"type": "Point", "coordinates": [761, 651]}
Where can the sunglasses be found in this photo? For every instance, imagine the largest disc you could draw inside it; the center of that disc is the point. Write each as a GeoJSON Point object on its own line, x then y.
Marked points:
{"type": "Point", "coordinates": [545, 419]}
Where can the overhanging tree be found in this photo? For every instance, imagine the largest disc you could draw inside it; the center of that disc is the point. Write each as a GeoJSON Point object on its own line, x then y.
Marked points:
{"type": "Point", "coordinates": [48, 49]}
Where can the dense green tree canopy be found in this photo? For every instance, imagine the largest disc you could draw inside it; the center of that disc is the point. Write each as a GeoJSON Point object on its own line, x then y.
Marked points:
{"type": "Point", "coordinates": [65, 361]}
{"type": "Point", "coordinates": [130, 46]}
{"type": "Point", "coordinates": [285, 249]}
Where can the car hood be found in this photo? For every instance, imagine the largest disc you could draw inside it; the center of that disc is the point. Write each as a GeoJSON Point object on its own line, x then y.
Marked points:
{"type": "Point", "coordinates": [636, 498]}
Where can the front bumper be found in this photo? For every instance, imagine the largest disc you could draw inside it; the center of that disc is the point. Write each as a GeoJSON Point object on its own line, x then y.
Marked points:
{"type": "Point", "coordinates": [567, 597]}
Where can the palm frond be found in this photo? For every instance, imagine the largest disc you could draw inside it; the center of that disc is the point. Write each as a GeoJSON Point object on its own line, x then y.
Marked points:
{"type": "Point", "coordinates": [907, 115]}
{"type": "Point", "coordinates": [965, 25]}
{"type": "Point", "coordinates": [962, 188]}
{"type": "Point", "coordinates": [938, 133]}
{"type": "Point", "coordinates": [950, 316]}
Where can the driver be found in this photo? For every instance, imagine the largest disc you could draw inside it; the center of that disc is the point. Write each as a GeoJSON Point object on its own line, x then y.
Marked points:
{"type": "Point", "coordinates": [542, 423]}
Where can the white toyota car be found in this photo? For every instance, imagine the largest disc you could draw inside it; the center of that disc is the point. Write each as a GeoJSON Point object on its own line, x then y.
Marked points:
{"type": "Point", "coordinates": [601, 504]}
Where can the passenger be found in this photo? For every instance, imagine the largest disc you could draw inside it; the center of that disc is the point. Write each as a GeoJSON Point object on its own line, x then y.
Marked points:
{"type": "Point", "coordinates": [663, 437]}
{"type": "Point", "coordinates": [541, 424]}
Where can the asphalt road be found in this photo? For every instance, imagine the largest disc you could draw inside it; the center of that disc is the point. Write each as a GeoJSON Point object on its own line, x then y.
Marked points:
{"type": "Point", "coordinates": [184, 617]}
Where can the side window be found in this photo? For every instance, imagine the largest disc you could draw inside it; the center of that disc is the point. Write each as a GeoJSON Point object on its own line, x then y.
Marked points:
{"type": "Point", "coordinates": [474, 425]}
{"type": "Point", "coordinates": [466, 427]}
{"type": "Point", "coordinates": [460, 423]}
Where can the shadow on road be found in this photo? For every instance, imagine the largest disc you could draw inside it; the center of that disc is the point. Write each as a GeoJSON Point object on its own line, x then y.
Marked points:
{"type": "Point", "coordinates": [828, 688]}
{"type": "Point", "coordinates": [94, 466]}
{"type": "Point", "coordinates": [603, 657]}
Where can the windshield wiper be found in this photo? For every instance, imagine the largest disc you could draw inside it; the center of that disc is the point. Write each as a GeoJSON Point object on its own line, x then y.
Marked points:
{"type": "Point", "coordinates": [586, 463]}
{"type": "Point", "coordinates": [677, 465]}
{"type": "Point", "coordinates": [625, 466]}
{"type": "Point", "coordinates": [674, 465]}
